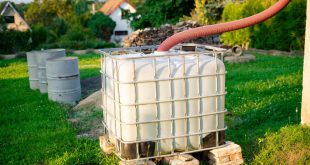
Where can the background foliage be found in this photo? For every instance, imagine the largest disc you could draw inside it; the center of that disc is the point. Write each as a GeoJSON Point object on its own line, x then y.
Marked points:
{"type": "Point", "coordinates": [58, 23]}
{"type": "Point", "coordinates": [66, 22]}
{"type": "Point", "coordinates": [153, 13]}
{"type": "Point", "coordinates": [14, 41]}
{"type": "Point", "coordinates": [285, 31]}
{"type": "Point", "coordinates": [102, 26]}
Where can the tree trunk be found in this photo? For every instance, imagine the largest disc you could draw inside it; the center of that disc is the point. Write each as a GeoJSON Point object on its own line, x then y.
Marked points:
{"type": "Point", "coordinates": [305, 106]}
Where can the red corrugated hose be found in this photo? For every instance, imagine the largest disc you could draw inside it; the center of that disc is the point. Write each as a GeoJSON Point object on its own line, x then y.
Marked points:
{"type": "Point", "coordinates": [222, 27]}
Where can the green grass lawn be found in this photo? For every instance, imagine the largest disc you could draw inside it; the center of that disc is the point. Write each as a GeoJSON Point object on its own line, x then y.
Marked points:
{"type": "Point", "coordinates": [35, 130]}
{"type": "Point", "coordinates": [262, 98]}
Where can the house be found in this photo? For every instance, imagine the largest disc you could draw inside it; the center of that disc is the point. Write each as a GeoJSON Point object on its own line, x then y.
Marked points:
{"type": "Point", "coordinates": [13, 19]}
{"type": "Point", "coordinates": [116, 10]}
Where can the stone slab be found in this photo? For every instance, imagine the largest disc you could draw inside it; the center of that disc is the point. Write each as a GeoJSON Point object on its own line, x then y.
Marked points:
{"type": "Point", "coordinates": [240, 59]}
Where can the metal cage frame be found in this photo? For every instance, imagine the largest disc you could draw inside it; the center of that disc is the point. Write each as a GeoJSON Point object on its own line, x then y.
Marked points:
{"type": "Point", "coordinates": [198, 51]}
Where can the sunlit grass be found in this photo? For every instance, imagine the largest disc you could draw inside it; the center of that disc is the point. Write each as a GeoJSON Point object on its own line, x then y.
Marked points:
{"type": "Point", "coordinates": [34, 130]}
{"type": "Point", "coordinates": [89, 65]}
{"type": "Point", "coordinates": [262, 98]}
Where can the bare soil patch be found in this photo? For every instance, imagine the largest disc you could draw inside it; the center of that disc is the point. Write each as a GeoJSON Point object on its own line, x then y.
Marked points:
{"type": "Point", "coordinates": [87, 115]}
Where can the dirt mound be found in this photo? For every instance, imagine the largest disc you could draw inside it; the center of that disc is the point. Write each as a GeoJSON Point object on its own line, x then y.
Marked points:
{"type": "Point", "coordinates": [90, 85]}
{"type": "Point", "coordinates": [86, 116]}
{"type": "Point", "coordinates": [93, 100]}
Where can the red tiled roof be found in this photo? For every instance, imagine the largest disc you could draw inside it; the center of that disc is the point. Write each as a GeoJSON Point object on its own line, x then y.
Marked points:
{"type": "Point", "coordinates": [110, 6]}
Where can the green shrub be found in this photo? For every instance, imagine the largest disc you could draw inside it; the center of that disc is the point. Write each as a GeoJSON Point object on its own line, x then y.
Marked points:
{"type": "Point", "coordinates": [78, 45]}
{"type": "Point", "coordinates": [39, 35]}
{"type": "Point", "coordinates": [59, 26]}
{"type": "Point", "coordinates": [285, 31]}
{"type": "Point", "coordinates": [77, 33]}
{"type": "Point", "coordinates": [240, 37]}
{"type": "Point", "coordinates": [12, 41]}
{"type": "Point", "coordinates": [153, 13]}
{"type": "Point", "coordinates": [102, 26]}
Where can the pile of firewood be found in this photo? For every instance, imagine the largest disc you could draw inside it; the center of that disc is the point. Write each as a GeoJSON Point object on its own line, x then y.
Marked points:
{"type": "Point", "coordinates": [155, 36]}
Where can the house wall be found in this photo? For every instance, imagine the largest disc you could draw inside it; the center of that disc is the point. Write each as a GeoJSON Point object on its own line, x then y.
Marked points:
{"type": "Point", "coordinates": [18, 25]}
{"type": "Point", "coordinates": [121, 24]}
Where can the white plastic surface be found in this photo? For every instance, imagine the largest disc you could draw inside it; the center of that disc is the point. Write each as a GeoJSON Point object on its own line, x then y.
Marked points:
{"type": "Point", "coordinates": [64, 90]}
{"type": "Point", "coordinates": [63, 80]}
{"type": "Point", "coordinates": [145, 92]}
{"type": "Point", "coordinates": [42, 57]}
{"type": "Point", "coordinates": [62, 67]}
{"type": "Point", "coordinates": [33, 69]}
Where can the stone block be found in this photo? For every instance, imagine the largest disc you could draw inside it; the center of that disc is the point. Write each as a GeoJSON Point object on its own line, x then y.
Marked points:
{"type": "Point", "coordinates": [239, 59]}
{"type": "Point", "coordinates": [223, 159]}
{"type": "Point", "coordinates": [235, 156]}
{"type": "Point", "coordinates": [230, 149]}
{"type": "Point", "coordinates": [105, 145]}
{"type": "Point", "coordinates": [234, 162]}
{"type": "Point", "coordinates": [184, 159]}
{"type": "Point", "coordinates": [138, 162]}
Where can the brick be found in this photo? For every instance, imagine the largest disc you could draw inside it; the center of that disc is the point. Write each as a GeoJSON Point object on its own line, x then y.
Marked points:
{"type": "Point", "coordinates": [105, 145]}
{"type": "Point", "coordinates": [235, 156]}
{"type": "Point", "coordinates": [223, 159]}
{"type": "Point", "coordinates": [184, 159]}
{"type": "Point", "coordinates": [138, 162]}
{"type": "Point", "coordinates": [234, 162]}
{"type": "Point", "coordinates": [230, 149]}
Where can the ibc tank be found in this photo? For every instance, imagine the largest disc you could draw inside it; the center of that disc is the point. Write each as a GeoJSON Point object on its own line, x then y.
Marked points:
{"type": "Point", "coordinates": [33, 69]}
{"type": "Point", "coordinates": [42, 58]}
{"type": "Point", "coordinates": [63, 79]}
{"type": "Point", "coordinates": [169, 103]}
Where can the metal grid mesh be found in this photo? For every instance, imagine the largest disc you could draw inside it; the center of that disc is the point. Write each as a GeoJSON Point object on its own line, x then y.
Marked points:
{"type": "Point", "coordinates": [148, 53]}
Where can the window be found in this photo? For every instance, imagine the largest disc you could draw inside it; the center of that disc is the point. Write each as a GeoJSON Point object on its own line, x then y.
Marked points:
{"type": "Point", "coordinates": [121, 33]}
{"type": "Point", "coordinates": [9, 19]}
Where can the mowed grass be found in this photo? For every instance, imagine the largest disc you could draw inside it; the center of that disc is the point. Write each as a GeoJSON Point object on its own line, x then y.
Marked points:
{"type": "Point", "coordinates": [34, 130]}
{"type": "Point", "coordinates": [262, 97]}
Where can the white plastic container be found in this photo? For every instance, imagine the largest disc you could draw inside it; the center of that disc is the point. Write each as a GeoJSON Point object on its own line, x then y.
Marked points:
{"type": "Point", "coordinates": [33, 69]}
{"type": "Point", "coordinates": [63, 79]}
{"type": "Point", "coordinates": [42, 57]}
{"type": "Point", "coordinates": [174, 100]}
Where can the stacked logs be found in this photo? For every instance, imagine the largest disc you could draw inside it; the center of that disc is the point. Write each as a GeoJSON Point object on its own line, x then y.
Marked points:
{"type": "Point", "coordinates": [155, 36]}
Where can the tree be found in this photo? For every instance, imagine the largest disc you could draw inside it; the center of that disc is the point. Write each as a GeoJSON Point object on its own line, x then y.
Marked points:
{"type": "Point", "coordinates": [215, 10]}
{"type": "Point", "coordinates": [136, 3]}
{"type": "Point", "coordinates": [80, 7]}
{"type": "Point", "coordinates": [153, 13]}
{"type": "Point", "coordinates": [44, 11]}
{"type": "Point", "coordinates": [200, 11]}
{"type": "Point", "coordinates": [102, 26]}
